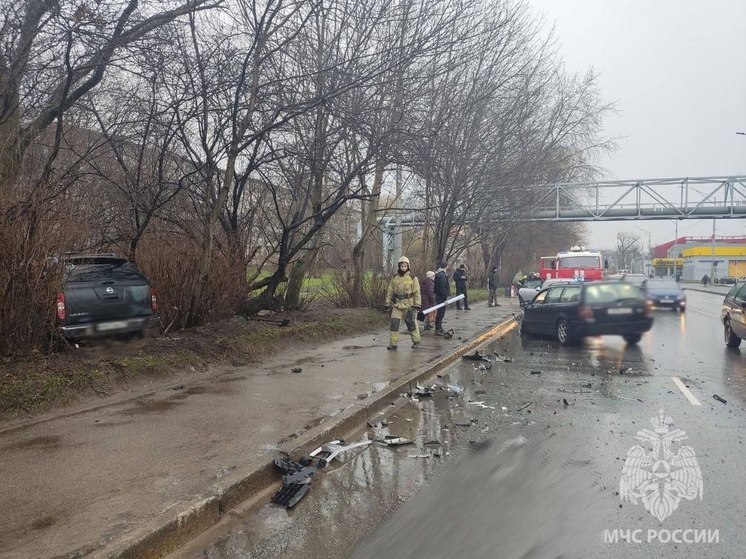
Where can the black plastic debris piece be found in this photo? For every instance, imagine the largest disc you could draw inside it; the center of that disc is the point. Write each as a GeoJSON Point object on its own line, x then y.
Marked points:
{"type": "Point", "coordinates": [289, 495]}
{"type": "Point", "coordinates": [476, 356]}
{"type": "Point", "coordinates": [296, 369]}
{"type": "Point", "coordinates": [719, 399]}
{"type": "Point", "coordinates": [289, 466]}
{"type": "Point", "coordinates": [508, 360]}
{"type": "Point", "coordinates": [535, 372]}
{"type": "Point", "coordinates": [586, 385]}
{"type": "Point", "coordinates": [524, 406]}
{"type": "Point", "coordinates": [432, 443]}
{"type": "Point", "coordinates": [464, 422]}
{"type": "Point", "coordinates": [564, 401]}
{"type": "Point", "coordinates": [297, 476]}
{"type": "Point", "coordinates": [301, 476]}
{"type": "Point", "coordinates": [424, 391]}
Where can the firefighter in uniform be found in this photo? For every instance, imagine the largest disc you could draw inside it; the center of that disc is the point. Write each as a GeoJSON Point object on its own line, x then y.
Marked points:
{"type": "Point", "coordinates": [404, 299]}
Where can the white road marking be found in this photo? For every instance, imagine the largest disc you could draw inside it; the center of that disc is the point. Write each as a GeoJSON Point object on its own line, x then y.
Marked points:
{"type": "Point", "coordinates": [689, 396]}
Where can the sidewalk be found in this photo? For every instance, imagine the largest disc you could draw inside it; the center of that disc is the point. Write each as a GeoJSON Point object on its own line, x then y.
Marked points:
{"type": "Point", "coordinates": [719, 290]}
{"type": "Point", "coordinates": [137, 474]}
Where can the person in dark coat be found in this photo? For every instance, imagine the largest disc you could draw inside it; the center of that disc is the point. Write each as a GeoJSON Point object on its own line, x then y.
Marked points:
{"type": "Point", "coordinates": [460, 277]}
{"type": "Point", "coordinates": [492, 285]}
{"type": "Point", "coordinates": [428, 299]}
{"type": "Point", "coordinates": [442, 291]}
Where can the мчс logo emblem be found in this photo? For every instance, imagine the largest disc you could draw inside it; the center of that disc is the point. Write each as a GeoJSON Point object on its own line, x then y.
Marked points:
{"type": "Point", "coordinates": [657, 475]}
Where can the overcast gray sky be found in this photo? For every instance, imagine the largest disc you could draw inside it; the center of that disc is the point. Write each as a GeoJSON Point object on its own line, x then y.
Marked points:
{"type": "Point", "coordinates": [677, 72]}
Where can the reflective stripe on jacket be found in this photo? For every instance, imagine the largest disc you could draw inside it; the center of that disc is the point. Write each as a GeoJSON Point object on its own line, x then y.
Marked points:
{"type": "Point", "coordinates": [403, 292]}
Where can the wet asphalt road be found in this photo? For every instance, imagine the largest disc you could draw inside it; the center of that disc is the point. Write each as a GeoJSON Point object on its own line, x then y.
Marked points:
{"type": "Point", "coordinates": [519, 473]}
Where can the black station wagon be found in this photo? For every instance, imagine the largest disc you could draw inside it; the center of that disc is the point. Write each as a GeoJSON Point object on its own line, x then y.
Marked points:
{"type": "Point", "coordinates": [572, 311]}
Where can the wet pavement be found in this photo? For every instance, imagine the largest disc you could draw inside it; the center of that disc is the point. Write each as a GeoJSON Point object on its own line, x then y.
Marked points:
{"type": "Point", "coordinates": [529, 459]}
{"type": "Point", "coordinates": [82, 482]}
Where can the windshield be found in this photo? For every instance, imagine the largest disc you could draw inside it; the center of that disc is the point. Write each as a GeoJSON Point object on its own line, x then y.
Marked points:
{"type": "Point", "coordinates": [580, 262]}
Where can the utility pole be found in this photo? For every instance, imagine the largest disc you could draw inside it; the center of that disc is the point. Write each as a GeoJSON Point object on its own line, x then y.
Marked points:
{"type": "Point", "coordinates": [397, 232]}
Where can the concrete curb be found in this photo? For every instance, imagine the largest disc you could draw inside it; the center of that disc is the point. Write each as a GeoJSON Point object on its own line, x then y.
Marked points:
{"type": "Point", "coordinates": [718, 293]}
{"type": "Point", "coordinates": [171, 530]}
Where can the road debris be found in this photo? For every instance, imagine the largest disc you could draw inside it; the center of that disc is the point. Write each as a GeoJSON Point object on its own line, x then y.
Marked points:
{"type": "Point", "coordinates": [296, 370]}
{"type": "Point", "coordinates": [391, 440]}
{"type": "Point", "coordinates": [523, 407]}
{"type": "Point", "coordinates": [535, 372]}
{"type": "Point", "coordinates": [476, 356]}
{"type": "Point", "coordinates": [564, 401]}
{"type": "Point", "coordinates": [481, 405]}
{"type": "Point", "coordinates": [719, 399]}
{"type": "Point", "coordinates": [418, 456]}
{"type": "Point", "coordinates": [424, 391]}
{"type": "Point", "coordinates": [297, 476]}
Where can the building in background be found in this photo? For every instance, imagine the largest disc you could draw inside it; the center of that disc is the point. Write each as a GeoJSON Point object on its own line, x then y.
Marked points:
{"type": "Point", "coordinates": [693, 257]}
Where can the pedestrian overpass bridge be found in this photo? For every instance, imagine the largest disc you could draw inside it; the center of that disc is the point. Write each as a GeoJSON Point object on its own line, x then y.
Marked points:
{"type": "Point", "coordinates": [674, 198]}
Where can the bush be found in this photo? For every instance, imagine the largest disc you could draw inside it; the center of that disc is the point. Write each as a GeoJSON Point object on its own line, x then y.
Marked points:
{"type": "Point", "coordinates": [172, 264]}
{"type": "Point", "coordinates": [340, 294]}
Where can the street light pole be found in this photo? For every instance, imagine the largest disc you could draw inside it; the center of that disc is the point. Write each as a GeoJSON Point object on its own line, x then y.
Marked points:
{"type": "Point", "coordinates": [650, 246]}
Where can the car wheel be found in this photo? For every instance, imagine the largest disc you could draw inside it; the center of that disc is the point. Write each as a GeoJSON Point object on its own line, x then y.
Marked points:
{"type": "Point", "coordinates": [731, 340]}
{"type": "Point", "coordinates": [563, 332]}
{"type": "Point", "coordinates": [632, 339]}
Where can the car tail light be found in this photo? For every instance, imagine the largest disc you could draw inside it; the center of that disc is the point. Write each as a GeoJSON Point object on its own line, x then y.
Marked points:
{"type": "Point", "coordinates": [153, 300]}
{"type": "Point", "coordinates": [61, 306]}
{"type": "Point", "coordinates": [585, 312]}
{"type": "Point", "coordinates": [648, 307]}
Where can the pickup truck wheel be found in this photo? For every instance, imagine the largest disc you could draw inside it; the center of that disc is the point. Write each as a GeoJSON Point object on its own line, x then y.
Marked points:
{"type": "Point", "coordinates": [731, 340]}
{"type": "Point", "coordinates": [563, 332]}
{"type": "Point", "coordinates": [632, 339]}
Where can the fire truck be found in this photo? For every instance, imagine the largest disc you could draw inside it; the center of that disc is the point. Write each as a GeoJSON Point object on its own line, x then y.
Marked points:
{"type": "Point", "coordinates": [577, 263]}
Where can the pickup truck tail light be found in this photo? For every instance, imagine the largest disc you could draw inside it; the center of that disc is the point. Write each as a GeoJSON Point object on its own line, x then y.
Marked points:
{"type": "Point", "coordinates": [153, 300]}
{"type": "Point", "coordinates": [585, 312]}
{"type": "Point", "coordinates": [61, 306]}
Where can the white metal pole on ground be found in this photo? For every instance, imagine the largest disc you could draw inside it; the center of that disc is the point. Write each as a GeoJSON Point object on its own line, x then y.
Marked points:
{"type": "Point", "coordinates": [443, 304]}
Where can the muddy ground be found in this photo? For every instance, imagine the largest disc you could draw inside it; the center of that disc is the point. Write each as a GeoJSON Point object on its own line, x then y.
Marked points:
{"type": "Point", "coordinates": [102, 368]}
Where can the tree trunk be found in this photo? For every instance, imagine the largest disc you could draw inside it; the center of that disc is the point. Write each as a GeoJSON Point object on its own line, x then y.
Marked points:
{"type": "Point", "coordinates": [369, 227]}
{"type": "Point", "coordinates": [297, 275]}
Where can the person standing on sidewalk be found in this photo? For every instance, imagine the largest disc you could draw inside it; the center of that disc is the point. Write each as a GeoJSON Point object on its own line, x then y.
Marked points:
{"type": "Point", "coordinates": [492, 285]}
{"type": "Point", "coordinates": [460, 277]}
{"type": "Point", "coordinates": [404, 299]}
{"type": "Point", "coordinates": [428, 299]}
{"type": "Point", "coordinates": [442, 291]}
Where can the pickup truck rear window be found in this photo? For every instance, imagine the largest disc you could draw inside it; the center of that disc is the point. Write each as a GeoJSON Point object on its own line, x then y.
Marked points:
{"type": "Point", "coordinates": [115, 270]}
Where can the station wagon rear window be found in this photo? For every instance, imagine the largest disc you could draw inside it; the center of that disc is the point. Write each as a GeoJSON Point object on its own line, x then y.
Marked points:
{"type": "Point", "coordinates": [612, 292]}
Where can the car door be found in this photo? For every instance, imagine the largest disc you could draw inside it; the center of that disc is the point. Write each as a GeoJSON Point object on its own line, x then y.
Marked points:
{"type": "Point", "coordinates": [550, 310]}
{"type": "Point", "coordinates": [532, 313]}
{"type": "Point", "coordinates": [569, 301]}
{"type": "Point", "coordinates": [737, 310]}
